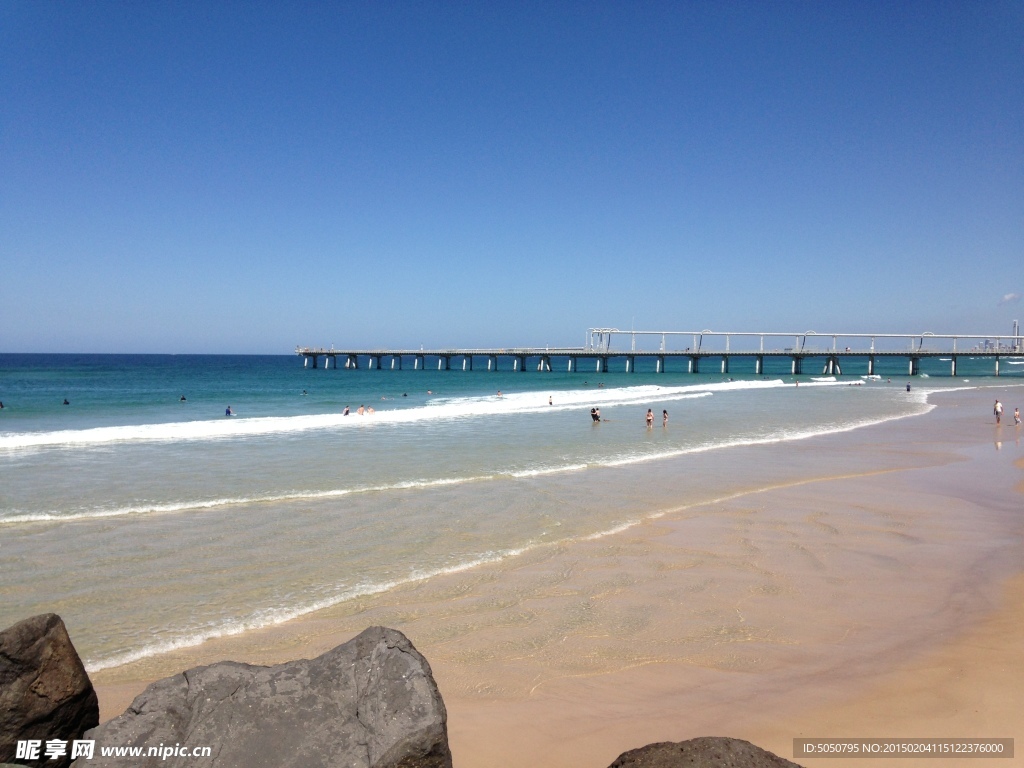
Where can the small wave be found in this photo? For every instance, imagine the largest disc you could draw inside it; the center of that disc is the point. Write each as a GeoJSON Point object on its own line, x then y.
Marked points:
{"type": "Point", "coordinates": [274, 617]}
{"type": "Point", "coordinates": [189, 506]}
{"type": "Point", "coordinates": [548, 470]}
{"type": "Point", "coordinates": [784, 436]}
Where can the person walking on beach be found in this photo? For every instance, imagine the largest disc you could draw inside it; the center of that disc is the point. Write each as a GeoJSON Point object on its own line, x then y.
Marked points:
{"type": "Point", "coordinates": [997, 409]}
{"type": "Point", "coordinates": [650, 418]}
{"type": "Point", "coordinates": [664, 419]}
{"type": "Point", "coordinates": [1016, 415]}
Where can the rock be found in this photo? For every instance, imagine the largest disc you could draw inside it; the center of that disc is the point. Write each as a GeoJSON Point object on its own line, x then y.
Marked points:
{"type": "Point", "coordinates": [371, 703]}
{"type": "Point", "coordinates": [44, 690]}
{"type": "Point", "coordinates": [705, 752]}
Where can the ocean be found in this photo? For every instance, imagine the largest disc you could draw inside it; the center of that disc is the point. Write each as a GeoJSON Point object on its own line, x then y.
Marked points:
{"type": "Point", "coordinates": [151, 522]}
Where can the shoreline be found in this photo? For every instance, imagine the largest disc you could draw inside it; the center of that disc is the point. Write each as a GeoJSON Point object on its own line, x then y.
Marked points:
{"type": "Point", "coordinates": [506, 677]}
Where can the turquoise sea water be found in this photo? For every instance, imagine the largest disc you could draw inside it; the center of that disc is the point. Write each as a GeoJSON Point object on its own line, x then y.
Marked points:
{"type": "Point", "coordinates": [149, 522]}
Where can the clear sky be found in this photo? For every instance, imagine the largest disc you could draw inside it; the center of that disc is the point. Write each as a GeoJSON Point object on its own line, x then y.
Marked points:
{"type": "Point", "coordinates": [245, 177]}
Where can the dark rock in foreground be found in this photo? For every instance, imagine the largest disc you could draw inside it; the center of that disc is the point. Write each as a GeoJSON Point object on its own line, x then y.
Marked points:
{"type": "Point", "coordinates": [44, 691]}
{"type": "Point", "coordinates": [370, 703]}
{"type": "Point", "coordinates": [705, 752]}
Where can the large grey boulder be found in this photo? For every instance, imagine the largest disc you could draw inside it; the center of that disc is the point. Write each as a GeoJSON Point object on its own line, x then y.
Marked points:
{"type": "Point", "coordinates": [705, 752]}
{"type": "Point", "coordinates": [370, 703]}
{"type": "Point", "coordinates": [45, 693]}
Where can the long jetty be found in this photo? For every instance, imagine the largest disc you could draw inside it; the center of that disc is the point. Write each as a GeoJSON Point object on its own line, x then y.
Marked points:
{"type": "Point", "coordinates": [705, 352]}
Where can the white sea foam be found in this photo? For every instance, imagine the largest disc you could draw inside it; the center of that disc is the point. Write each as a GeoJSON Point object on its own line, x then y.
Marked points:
{"type": "Point", "coordinates": [272, 617]}
{"type": "Point", "coordinates": [188, 506]}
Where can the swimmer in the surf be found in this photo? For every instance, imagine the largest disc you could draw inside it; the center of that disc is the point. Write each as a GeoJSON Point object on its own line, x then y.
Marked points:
{"type": "Point", "coordinates": [345, 412]}
{"type": "Point", "coordinates": [360, 410]}
{"type": "Point", "coordinates": [228, 411]}
{"type": "Point", "coordinates": [181, 399]}
{"type": "Point", "coordinates": [66, 401]}
{"type": "Point", "coordinates": [549, 400]}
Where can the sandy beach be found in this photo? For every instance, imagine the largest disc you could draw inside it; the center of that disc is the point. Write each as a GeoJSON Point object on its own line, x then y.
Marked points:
{"type": "Point", "coordinates": [877, 599]}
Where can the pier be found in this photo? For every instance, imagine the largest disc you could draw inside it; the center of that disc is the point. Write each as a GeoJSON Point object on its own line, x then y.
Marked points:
{"type": "Point", "coordinates": [757, 353]}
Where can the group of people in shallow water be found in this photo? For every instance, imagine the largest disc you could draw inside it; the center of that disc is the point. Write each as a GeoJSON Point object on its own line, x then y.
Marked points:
{"type": "Point", "coordinates": [361, 410]}
{"type": "Point", "coordinates": [997, 411]}
{"type": "Point", "coordinates": [595, 415]}
{"type": "Point", "coordinates": [650, 418]}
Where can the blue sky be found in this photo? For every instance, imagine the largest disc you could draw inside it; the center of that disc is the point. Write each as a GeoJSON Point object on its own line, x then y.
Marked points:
{"type": "Point", "coordinates": [244, 177]}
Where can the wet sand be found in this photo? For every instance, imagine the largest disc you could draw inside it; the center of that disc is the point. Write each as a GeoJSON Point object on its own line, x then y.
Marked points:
{"type": "Point", "coordinates": [879, 600]}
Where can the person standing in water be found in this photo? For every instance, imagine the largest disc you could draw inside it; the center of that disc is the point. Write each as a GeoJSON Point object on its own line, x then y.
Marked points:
{"type": "Point", "coordinates": [650, 418]}
{"type": "Point", "coordinates": [664, 418]}
{"type": "Point", "coordinates": [1016, 415]}
{"type": "Point", "coordinates": [997, 409]}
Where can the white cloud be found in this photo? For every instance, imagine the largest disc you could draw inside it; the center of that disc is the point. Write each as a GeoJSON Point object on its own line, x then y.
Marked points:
{"type": "Point", "coordinates": [1010, 298]}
